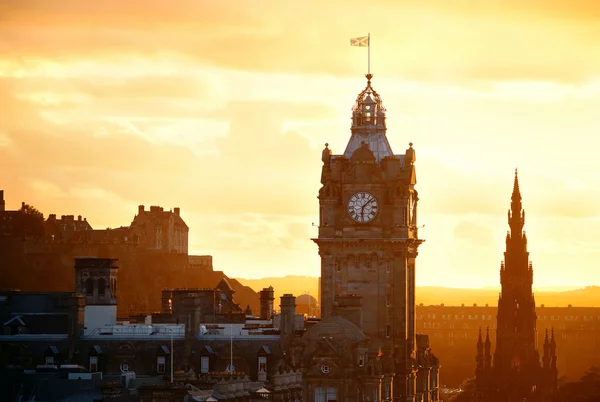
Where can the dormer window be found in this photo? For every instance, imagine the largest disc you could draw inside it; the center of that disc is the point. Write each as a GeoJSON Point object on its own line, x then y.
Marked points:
{"type": "Point", "coordinates": [204, 364]}
{"type": "Point", "coordinates": [361, 360]}
{"type": "Point", "coordinates": [262, 364]}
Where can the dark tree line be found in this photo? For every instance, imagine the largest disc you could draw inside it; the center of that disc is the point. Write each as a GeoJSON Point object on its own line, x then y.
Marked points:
{"type": "Point", "coordinates": [29, 222]}
{"type": "Point", "coordinates": [587, 389]}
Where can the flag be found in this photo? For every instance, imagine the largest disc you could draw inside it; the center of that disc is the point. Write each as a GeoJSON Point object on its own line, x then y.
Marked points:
{"type": "Point", "coordinates": [363, 41]}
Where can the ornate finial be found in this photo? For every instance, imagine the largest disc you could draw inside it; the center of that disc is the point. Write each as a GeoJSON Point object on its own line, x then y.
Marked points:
{"type": "Point", "coordinates": [363, 144]}
{"type": "Point", "coordinates": [410, 144]}
{"type": "Point", "coordinates": [369, 76]}
{"type": "Point", "coordinates": [326, 144]}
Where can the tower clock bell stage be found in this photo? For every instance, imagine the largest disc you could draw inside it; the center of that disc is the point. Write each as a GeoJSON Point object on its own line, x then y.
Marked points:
{"type": "Point", "coordinates": [368, 238]}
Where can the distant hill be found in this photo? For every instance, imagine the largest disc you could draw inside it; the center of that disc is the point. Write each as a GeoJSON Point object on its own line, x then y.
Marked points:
{"type": "Point", "coordinates": [297, 285]}
{"type": "Point", "coordinates": [586, 297]}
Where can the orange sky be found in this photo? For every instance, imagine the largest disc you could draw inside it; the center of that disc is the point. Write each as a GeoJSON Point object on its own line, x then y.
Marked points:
{"type": "Point", "coordinates": [222, 108]}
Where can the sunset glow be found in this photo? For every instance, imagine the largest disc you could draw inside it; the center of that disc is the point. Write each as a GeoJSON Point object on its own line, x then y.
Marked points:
{"type": "Point", "coordinates": [222, 108]}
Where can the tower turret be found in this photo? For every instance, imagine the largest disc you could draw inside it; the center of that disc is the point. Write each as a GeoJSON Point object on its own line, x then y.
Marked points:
{"type": "Point", "coordinates": [96, 280]}
{"type": "Point", "coordinates": [368, 124]}
{"type": "Point", "coordinates": [480, 357]}
{"type": "Point", "coordinates": [488, 349]}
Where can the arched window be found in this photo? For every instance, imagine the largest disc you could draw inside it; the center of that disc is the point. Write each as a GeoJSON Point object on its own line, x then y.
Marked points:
{"type": "Point", "coordinates": [101, 286]}
{"type": "Point", "coordinates": [89, 287]}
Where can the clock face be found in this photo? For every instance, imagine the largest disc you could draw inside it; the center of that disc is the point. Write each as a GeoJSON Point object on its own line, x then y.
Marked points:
{"type": "Point", "coordinates": [363, 207]}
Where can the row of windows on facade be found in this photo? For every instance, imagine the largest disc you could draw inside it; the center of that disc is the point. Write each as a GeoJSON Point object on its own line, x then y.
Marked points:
{"type": "Point", "coordinates": [458, 317]}
{"type": "Point", "coordinates": [98, 287]}
{"type": "Point", "coordinates": [329, 394]}
{"type": "Point", "coordinates": [489, 317]}
{"type": "Point", "coordinates": [434, 325]}
{"type": "Point", "coordinates": [161, 364]}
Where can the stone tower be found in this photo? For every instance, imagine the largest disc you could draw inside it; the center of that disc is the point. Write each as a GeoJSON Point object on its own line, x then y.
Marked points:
{"type": "Point", "coordinates": [368, 238]}
{"type": "Point", "coordinates": [515, 374]}
{"type": "Point", "coordinates": [96, 280]}
{"type": "Point", "coordinates": [266, 303]}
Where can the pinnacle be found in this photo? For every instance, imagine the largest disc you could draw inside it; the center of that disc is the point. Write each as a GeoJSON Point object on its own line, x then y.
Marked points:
{"type": "Point", "coordinates": [516, 195]}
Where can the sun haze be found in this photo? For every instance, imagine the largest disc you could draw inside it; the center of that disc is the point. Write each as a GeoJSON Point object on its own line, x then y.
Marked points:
{"type": "Point", "coordinates": [222, 108]}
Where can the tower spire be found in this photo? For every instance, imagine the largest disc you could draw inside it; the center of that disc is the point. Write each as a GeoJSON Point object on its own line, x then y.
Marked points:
{"type": "Point", "coordinates": [516, 215]}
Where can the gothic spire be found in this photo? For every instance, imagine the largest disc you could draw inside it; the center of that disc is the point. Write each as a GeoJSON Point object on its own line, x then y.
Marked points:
{"type": "Point", "coordinates": [488, 349]}
{"type": "Point", "coordinates": [516, 215]}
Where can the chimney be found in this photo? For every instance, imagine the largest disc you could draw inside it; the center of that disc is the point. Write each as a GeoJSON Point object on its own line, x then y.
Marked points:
{"type": "Point", "coordinates": [52, 217]}
{"type": "Point", "coordinates": [349, 306]}
{"type": "Point", "coordinates": [79, 218]}
{"type": "Point", "coordinates": [287, 328]}
{"type": "Point", "coordinates": [177, 210]}
{"type": "Point", "coordinates": [23, 204]}
{"type": "Point", "coordinates": [266, 303]}
{"type": "Point", "coordinates": [2, 203]}
{"type": "Point", "coordinates": [140, 209]}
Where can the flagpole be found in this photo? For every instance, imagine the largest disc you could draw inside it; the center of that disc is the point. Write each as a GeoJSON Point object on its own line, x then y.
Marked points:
{"type": "Point", "coordinates": [369, 54]}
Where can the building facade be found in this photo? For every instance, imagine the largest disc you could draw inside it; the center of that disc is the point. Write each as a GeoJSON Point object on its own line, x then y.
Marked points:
{"type": "Point", "coordinates": [453, 330]}
{"type": "Point", "coordinates": [368, 241]}
{"type": "Point", "coordinates": [202, 338]}
{"type": "Point", "coordinates": [515, 372]}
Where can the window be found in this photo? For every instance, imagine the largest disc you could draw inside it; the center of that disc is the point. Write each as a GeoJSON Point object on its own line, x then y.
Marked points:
{"type": "Point", "coordinates": [101, 286]}
{"type": "Point", "coordinates": [361, 360]}
{"type": "Point", "coordinates": [89, 287]}
{"type": "Point", "coordinates": [93, 364]}
{"type": "Point", "coordinates": [160, 365]}
{"type": "Point", "coordinates": [323, 394]}
{"type": "Point", "coordinates": [387, 300]}
{"type": "Point", "coordinates": [49, 360]}
{"type": "Point", "coordinates": [204, 363]}
{"type": "Point", "coordinates": [262, 364]}
{"type": "Point", "coordinates": [388, 331]}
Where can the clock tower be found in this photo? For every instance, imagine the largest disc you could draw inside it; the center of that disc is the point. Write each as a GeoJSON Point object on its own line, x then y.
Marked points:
{"type": "Point", "coordinates": [368, 238]}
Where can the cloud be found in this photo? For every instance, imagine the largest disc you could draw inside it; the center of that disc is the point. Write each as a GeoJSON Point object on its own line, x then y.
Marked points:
{"type": "Point", "coordinates": [513, 41]}
{"type": "Point", "coordinates": [449, 189]}
{"type": "Point", "coordinates": [477, 234]}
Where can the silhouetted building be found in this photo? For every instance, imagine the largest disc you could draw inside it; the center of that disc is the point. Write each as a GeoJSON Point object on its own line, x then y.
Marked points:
{"type": "Point", "coordinates": [48, 337]}
{"type": "Point", "coordinates": [153, 246]}
{"type": "Point", "coordinates": [308, 305]}
{"type": "Point", "coordinates": [453, 330]}
{"type": "Point", "coordinates": [201, 262]}
{"type": "Point", "coordinates": [515, 372]}
{"type": "Point", "coordinates": [368, 240]}
{"type": "Point", "coordinates": [66, 228]}
{"type": "Point", "coordinates": [10, 221]}
{"type": "Point", "coordinates": [158, 229]}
